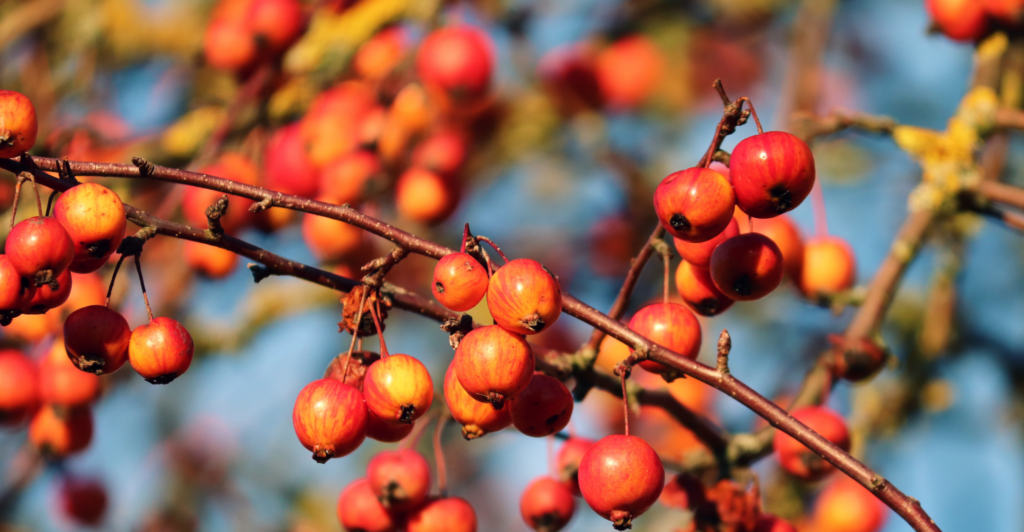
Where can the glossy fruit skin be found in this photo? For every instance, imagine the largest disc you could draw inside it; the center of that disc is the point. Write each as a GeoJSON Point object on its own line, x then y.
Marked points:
{"type": "Point", "coordinates": [39, 248]}
{"type": "Point", "coordinates": [211, 261]}
{"type": "Point", "coordinates": [286, 165]}
{"type": "Point", "coordinates": [784, 232]}
{"type": "Point", "coordinates": [543, 408]}
{"type": "Point", "coordinates": [477, 418]}
{"type": "Point", "coordinates": [160, 350]}
{"type": "Point", "coordinates": [699, 253]}
{"type": "Point", "coordinates": [699, 292]}
{"type": "Point", "coordinates": [800, 461]}
{"type": "Point", "coordinates": [547, 505]}
{"type": "Point", "coordinates": [329, 419]}
{"type": "Point", "coordinates": [18, 124]}
{"type": "Point", "coordinates": [97, 339]}
{"type": "Point", "coordinates": [359, 509]}
{"type": "Point", "coordinates": [960, 20]}
{"type": "Point", "coordinates": [196, 200]}
{"type": "Point", "coordinates": [425, 197]}
{"type": "Point", "coordinates": [628, 71]}
{"type": "Point", "coordinates": [380, 430]}
{"type": "Point", "coordinates": [62, 384]}
{"type": "Point", "coordinates": [456, 60]}
{"type": "Point", "coordinates": [60, 436]}
{"type": "Point", "coordinates": [669, 325]}
{"type": "Point", "coordinates": [331, 240]}
{"type": "Point", "coordinates": [16, 291]}
{"type": "Point", "coordinates": [695, 204]}
{"type": "Point", "coordinates": [620, 478]}
{"type": "Point", "coordinates": [772, 173]}
{"type": "Point", "coordinates": [344, 180]}
{"type": "Point", "coordinates": [493, 364]}
{"type": "Point", "coordinates": [846, 506]}
{"type": "Point", "coordinates": [747, 267]}
{"type": "Point", "coordinates": [829, 267]}
{"type": "Point", "coordinates": [83, 500]}
{"type": "Point", "coordinates": [399, 479]}
{"type": "Point", "coordinates": [451, 514]}
{"type": "Point", "coordinates": [1007, 11]}
{"type": "Point", "coordinates": [568, 461]}
{"type": "Point", "coordinates": [47, 298]}
{"type": "Point", "coordinates": [93, 217]}
{"type": "Point", "coordinates": [460, 282]}
{"type": "Point", "coordinates": [398, 389]}
{"type": "Point", "coordinates": [524, 297]}
{"type": "Point", "coordinates": [19, 387]}
{"type": "Point", "coordinates": [771, 523]}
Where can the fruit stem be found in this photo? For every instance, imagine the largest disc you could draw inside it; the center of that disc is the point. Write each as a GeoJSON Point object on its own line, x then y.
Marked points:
{"type": "Point", "coordinates": [625, 401]}
{"type": "Point", "coordinates": [380, 335]}
{"type": "Point", "coordinates": [465, 237]}
{"type": "Point", "coordinates": [355, 333]}
{"type": "Point", "coordinates": [495, 246]}
{"type": "Point", "coordinates": [110, 289]}
{"type": "Point", "coordinates": [145, 297]}
{"type": "Point", "coordinates": [714, 144]}
{"type": "Point", "coordinates": [413, 439]}
{"type": "Point", "coordinates": [753, 112]}
{"type": "Point", "coordinates": [820, 214]}
{"type": "Point", "coordinates": [667, 259]}
{"type": "Point", "coordinates": [442, 472]}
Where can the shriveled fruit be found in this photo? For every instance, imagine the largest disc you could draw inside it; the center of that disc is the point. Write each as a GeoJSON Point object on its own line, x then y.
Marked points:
{"type": "Point", "coordinates": [19, 387]}
{"type": "Point", "coordinates": [400, 479]}
{"type": "Point", "coordinates": [800, 461]}
{"type": "Point", "coordinates": [494, 364]}
{"type": "Point", "coordinates": [524, 297]}
{"type": "Point", "coordinates": [398, 389]}
{"type": "Point", "coordinates": [47, 298]}
{"type": "Point", "coordinates": [620, 478]}
{"type": "Point", "coordinates": [160, 350]}
{"type": "Point", "coordinates": [547, 505]}
{"type": "Point", "coordinates": [695, 204]}
{"type": "Point", "coordinates": [329, 418]}
{"type": "Point", "coordinates": [460, 281]}
{"type": "Point", "coordinates": [97, 339]}
{"type": "Point", "coordinates": [477, 418]}
{"type": "Point", "coordinates": [543, 408]}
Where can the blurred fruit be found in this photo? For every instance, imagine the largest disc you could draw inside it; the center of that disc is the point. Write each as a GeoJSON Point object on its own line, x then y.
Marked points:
{"type": "Point", "coordinates": [671, 326]}
{"type": "Point", "coordinates": [425, 197]}
{"type": "Point", "coordinates": [196, 200]}
{"type": "Point", "coordinates": [460, 282]}
{"type": "Point", "coordinates": [699, 292]}
{"type": "Point", "coordinates": [493, 364]}
{"type": "Point", "coordinates": [684, 492]}
{"type": "Point", "coordinates": [97, 339]}
{"type": "Point", "coordinates": [547, 505]}
{"type": "Point", "coordinates": [398, 389]}
{"type": "Point", "coordinates": [161, 350]}
{"type": "Point", "coordinates": [345, 179]}
{"type": "Point", "coordinates": [800, 461]}
{"type": "Point", "coordinates": [18, 125]}
{"type": "Point", "coordinates": [93, 217]}
{"type": "Point", "coordinates": [771, 523]}
{"type": "Point", "coordinates": [695, 204]}
{"type": "Point", "coordinates": [620, 478]}
{"type": "Point", "coordinates": [59, 435]}
{"type": "Point", "coordinates": [960, 20]}
{"type": "Point", "coordinates": [211, 261]}
{"type": "Point", "coordinates": [784, 232]}
{"type": "Point", "coordinates": [19, 387]}
{"type": "Point", "coordinates": [457, 61]}
{"type": "Point", "coordinates": [399, 479]}
{"type": "Point", "coordinates": [331, 126]}
{"type": "Point", "coordinates": [382, 431]}
{"type": "Point", "coordinates": [543, 408]}
{"type": "Point", "coordinates": [329, 418]}
{"type": "Point", "coordinates": [449, 514]}
{"type": "Point", "coordinates": [628, 71]}
{"type": "Point", "coordinates": [359, 510]}
{"type": "Point", "coordinates": [568, 461]}
{"type": "Point", "coordinates": [747, 267]}
{"type": "Point", "coordinates": [476, 417]}
{"type": "Point", "coordinates": [846, 506]}
{"type": "Point", "coordinates": [381, 54]}
{"type": "Point", "coordinates": [229, 45]}
{"type": "Point", "coordinates": [331, 240]}
{"type": "Point", "coordinates": [524, 297]}
{"type": "Point", "coordinates": [83, 500]}
{"type": "Point", "coordinates": [16, 292]}
{"type": "Point", "coordinates": [772, 173]}
{"type": "Point", "coordinates": [443, 152]}
{"type": "Point", "coordinates": [63, 384]}
{"type": "Point", "coordinates": [569, 75]}
{"type": "Point", "coordinates": [286, 166]}
{"type": "Point", "coordinates": [86, 289]}
{"type": "Point", "coordinates": [829, 267]}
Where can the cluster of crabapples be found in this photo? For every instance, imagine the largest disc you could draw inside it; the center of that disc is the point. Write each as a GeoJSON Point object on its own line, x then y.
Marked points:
{"type": "Point", "coordinates": [44, 257]}
{"type": "Point", "coordinates": [970, 20]}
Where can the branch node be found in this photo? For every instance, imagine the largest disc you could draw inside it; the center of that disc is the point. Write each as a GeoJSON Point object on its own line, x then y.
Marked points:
{"type": "Point", "coordinates": [457, 329]}
{"type": "Point", "coordinates": [625, 367]}
{"type": "Point", "coordinates": [213, 215]}
{"type": "Point", "coordinates": [132, 245]}
{"type": "Point", "coordinates": [65, 173]}
{"type": "Point", "coordinates": [259, 272]}
{"type": "Point", "coordinates": [724, 347]}
{"type": "Point", "coordinates": [146, 168]}
{"type": "Point", "coordinates": [380, 267]}
{"type": "Point", "coordinates": [262, 205]}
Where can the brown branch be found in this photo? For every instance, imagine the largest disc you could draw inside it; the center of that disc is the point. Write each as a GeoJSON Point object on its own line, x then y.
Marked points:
{"type": "Point", "coordinates": [1002, 193]}
{"type": "Point", "coordinates": [809, 125]}
{"type": "Point", "coordinates": [905, 506]}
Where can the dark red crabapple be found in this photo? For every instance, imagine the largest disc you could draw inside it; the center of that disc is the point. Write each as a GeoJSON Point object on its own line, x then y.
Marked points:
{"type": "Point", "coordinates": [699, 253]}
{"type": "Point", "coordinates": [83, 500]}
{"type": "Point", "coordinates": [747, 267]}
{"type": "Point", "coordinates": [699, 292]}
{"type": "Point", "coordinates": [96, 339]}
{"type": "Point", "coordinates": [380, 430]}
{"type": "Point", "coordinates": [543, 408]}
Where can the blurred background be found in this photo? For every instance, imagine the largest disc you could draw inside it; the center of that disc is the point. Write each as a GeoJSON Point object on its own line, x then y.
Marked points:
{"type": "Point", "coordinates": [550, 174]}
